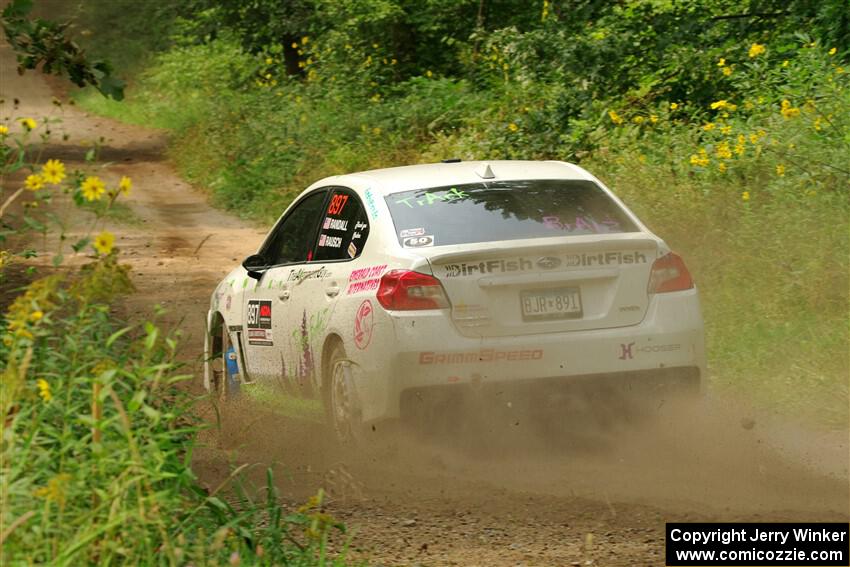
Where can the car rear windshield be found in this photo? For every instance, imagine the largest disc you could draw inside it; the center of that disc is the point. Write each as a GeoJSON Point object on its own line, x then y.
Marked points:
{"type": "Point", "coordinates": [504, 210]}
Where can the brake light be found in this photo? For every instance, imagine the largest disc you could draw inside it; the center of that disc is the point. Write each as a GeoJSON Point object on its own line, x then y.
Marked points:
{"type": "Point", "coordinates": [669, 274]}
{"type": "Point", "coordinates": [404, 290]}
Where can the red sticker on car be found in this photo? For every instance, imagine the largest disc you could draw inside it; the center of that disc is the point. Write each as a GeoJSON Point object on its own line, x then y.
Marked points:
{"type": "Point", "coordinates": [363, 325]}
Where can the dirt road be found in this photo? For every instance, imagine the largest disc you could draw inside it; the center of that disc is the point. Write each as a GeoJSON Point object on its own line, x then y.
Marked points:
{"type": "Point", "coordinates": [585, 496]}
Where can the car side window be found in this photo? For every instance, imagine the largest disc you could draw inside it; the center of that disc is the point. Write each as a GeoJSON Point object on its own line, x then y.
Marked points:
{"type": "Point", "coordinates": [344, 228]}
{"type": "Point", "coordinates": [292, 238]}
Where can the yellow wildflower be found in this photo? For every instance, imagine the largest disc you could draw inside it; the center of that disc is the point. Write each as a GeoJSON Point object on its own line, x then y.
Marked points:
{"type": "Point", "coordinates": [726, 130]}
{"type": "Point", "coordinates": [723, 151]}
{"type": "Point", "coordinates": [93, 188]}
{"type": "Point", "coordinates": [53, 171]}
{"type": "Point", "coordinates": [756, 49]}
{"type": "Point", "coordinates": [55, 489]}
{"type": "Point", "coordinates": [36, 316]}
{"type": "Point", "coordinates": [653, 118]}
{"type": "Point", "coordinates": [34, 182]}
{"type": "Point", "coordinates": [818, 123]}
{"type": "Point", "coordinates": [615, 118]}
{"type": "Point", "coordinates": [718, 104]}
{"type": "Point", "coordinates": [376, 131]}
{"type": "Point", "coordinates": [429, 74]}
{"type": "Point", "coordinates": [125, 185]}
{"type": "Point", "coordinates": [780, 170]}
{"type": "Point", "coordinates": [104, 242]}
{"type": "Point", "coordinates": [3, 130]}
{"type": "Point", "coordinates": [638, 119]}
{"type": "Point", "coordinates": [745, 196]}
{"type": "Point", "coordinates": [721, 62]}
{"type": "Point", "coordinates": [740, 148]}
{"type": "Point", "coordinates": [674, 105]}
{"type": "Point", "coordinates": [708, 127]}
{"type": "Point", "coordinates": [700, 159]}
{"type": "Point", "coordinates": [833, 51]}
{"type": "Point", "coordinates": [721, 167]}
{"type": "Point", "coordinates": [788, 111]}
{"type": "Point", "coordinates": [29, 124]}
{"type": "Point", "coordinates": [305, 40]}
{"type": "Point", "coordinates": [786, 63]}
{"type": "Point", "coordinates": [295, 45]}
{"type": "Point", "coordinates": [727, 71]}
{"type": "Point", "coordinates": [44, 390]}
{"type": "Point", "coordinates": [513, 127]}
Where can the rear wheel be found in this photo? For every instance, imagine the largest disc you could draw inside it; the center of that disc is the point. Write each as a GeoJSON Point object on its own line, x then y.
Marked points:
{"type": "Point", "coordinates": [344, 415]}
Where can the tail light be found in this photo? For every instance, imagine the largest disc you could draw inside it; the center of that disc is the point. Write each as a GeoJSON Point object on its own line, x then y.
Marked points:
{"type": "Point", "coordinates": [669, 274]}
{"type": "Point", "coordinates": [403, 290]}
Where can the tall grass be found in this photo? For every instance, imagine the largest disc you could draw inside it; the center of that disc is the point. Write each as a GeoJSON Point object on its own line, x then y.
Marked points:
{"type": "Point", "coordinates": [96, 438]}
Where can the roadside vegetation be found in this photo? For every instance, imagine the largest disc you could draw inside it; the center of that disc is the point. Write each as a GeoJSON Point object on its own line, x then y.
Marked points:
{"type": "Point", "coordinates": [96, 438]}
{"type": "Point", "coordinates": [718, 122]}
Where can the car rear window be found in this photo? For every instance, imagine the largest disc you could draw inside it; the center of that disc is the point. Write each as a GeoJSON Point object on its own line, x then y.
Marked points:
{"type": "Point", "coordinates": [504, 210]}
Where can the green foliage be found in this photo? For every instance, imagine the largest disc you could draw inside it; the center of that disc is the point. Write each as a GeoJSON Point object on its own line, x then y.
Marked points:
{"type": "Point", "coordinates": [44, 44]}
{"type": "Point", "coordinates": [96, 436]}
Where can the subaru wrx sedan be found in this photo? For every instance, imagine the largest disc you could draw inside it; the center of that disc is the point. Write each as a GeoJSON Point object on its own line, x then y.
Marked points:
{"type": "Point", "coordinates": [380, 290]}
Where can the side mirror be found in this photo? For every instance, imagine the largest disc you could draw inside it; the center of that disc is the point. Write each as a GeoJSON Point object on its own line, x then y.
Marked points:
{"type": "Point", "coordinates": [255, 264]}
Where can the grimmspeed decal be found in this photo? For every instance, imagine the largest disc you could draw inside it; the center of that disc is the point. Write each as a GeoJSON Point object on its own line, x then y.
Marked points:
{"type": "Point", "coordinates": [483, 355]}
{"type": "Point", "coordinates": [259, 323]}
{"type": "Point", "coordinates": [527, 264]}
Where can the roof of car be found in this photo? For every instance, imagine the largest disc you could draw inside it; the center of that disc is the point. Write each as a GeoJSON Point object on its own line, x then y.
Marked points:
{"type": "Point", "coordinates": [406, 178]}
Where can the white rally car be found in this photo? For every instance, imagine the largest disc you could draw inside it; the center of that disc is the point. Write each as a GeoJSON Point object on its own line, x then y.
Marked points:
{"type": "Point", "coordinates": [378, 291]}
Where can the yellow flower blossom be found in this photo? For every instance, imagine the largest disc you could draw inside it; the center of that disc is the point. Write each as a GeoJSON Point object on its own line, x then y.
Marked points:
{"type": "Point", "coordinates": [726, 130]}
{"type": "Point", "coordinates": [305, 40]}
{"type": "Point", "coordinates": [28, 124]}
{"type": "Point", "coordinates": [615, 118]}
{"type": "Point", "coordinates": [756, 49]}
{"type": "Point", "coordinates": [653, 118]}
{"type": "Point", "coordinates": [125, 185]}
{"type": "Point", "coordinates": [745, 196]}
{"type": "Point", "coordinates": [727, 71]}
{"type": "Point", "coordinates": [833, 51]}
{"type": "Point", "coordinates": [53, 171]}
{"type": "Point", "coordinates": [721, 62]}
{"type": "Point", "coordinates": [786, 63]}
{"type": "Point", "coordinates": [708, 126]}
{"type": "Point", "coordinates": [104, 242]}
{"type": "Point", "coordinates": [34, 182]}
{"type": "Point", "coordinates": [3, 130]}
{"type": "Point", "coordinates": [429, 74]}
{"type": "Point", "coordinates": [638, 119]}
{"type": "Point", "coordinates": [674, 105]}
{"type": "Point", "coordinates": [718, 104]}
{"type": "Point", "coordinates": [723, 151]}
{"type": "Point", "coordinates": [513, 127]}
{"type": "Point", "coordinates": [700, 159]}
{"type": "Point", "coordinates": [55, 489]}
{"type": "Point", "coordinates": [721, 167]}
{"type": "Point", "coordinates": [740, 149]}
{"type": "Point", "coordinates": [788, 111]}
{"type": "Point", "coordinates": [36, 316]}
{"type": "Point", "coordinates": [817, 123]}
{"type": "Point", "coordinates": [780, 170]}
{"type": "Point", "coordinates": [44, 390]}
{"type": "Point", "coordinates": [93, 188]}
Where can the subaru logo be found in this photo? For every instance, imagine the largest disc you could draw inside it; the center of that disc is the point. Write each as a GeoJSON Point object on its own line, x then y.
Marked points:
{"type": "Point", "coordinates": [548, 262]}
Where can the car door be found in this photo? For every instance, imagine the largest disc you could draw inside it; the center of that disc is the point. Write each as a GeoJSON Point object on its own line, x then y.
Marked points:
{"type": "Point", "coordinates": [286, 250]}
{"type": "Point", "coordinates": [315, 291]}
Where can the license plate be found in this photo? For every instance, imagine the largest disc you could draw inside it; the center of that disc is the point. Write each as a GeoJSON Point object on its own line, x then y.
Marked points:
{"type": "Point", "coordinates": [559, 303]}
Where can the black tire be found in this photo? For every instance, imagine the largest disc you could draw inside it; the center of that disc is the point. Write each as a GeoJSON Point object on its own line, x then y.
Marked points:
{"type": "Point", "coordinates": [343, 410]}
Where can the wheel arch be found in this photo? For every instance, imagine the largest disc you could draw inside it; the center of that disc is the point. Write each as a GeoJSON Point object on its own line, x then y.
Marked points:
{"type": "Point", "coordinates": [331, 341]}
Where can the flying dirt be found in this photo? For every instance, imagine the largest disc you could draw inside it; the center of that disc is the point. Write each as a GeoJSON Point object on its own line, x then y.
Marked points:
{"type": "Point", "coordinates": [586, 488]}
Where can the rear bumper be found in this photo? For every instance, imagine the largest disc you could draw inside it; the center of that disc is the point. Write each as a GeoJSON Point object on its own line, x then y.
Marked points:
{"type": "Point", "coordinates": [429, 353]}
